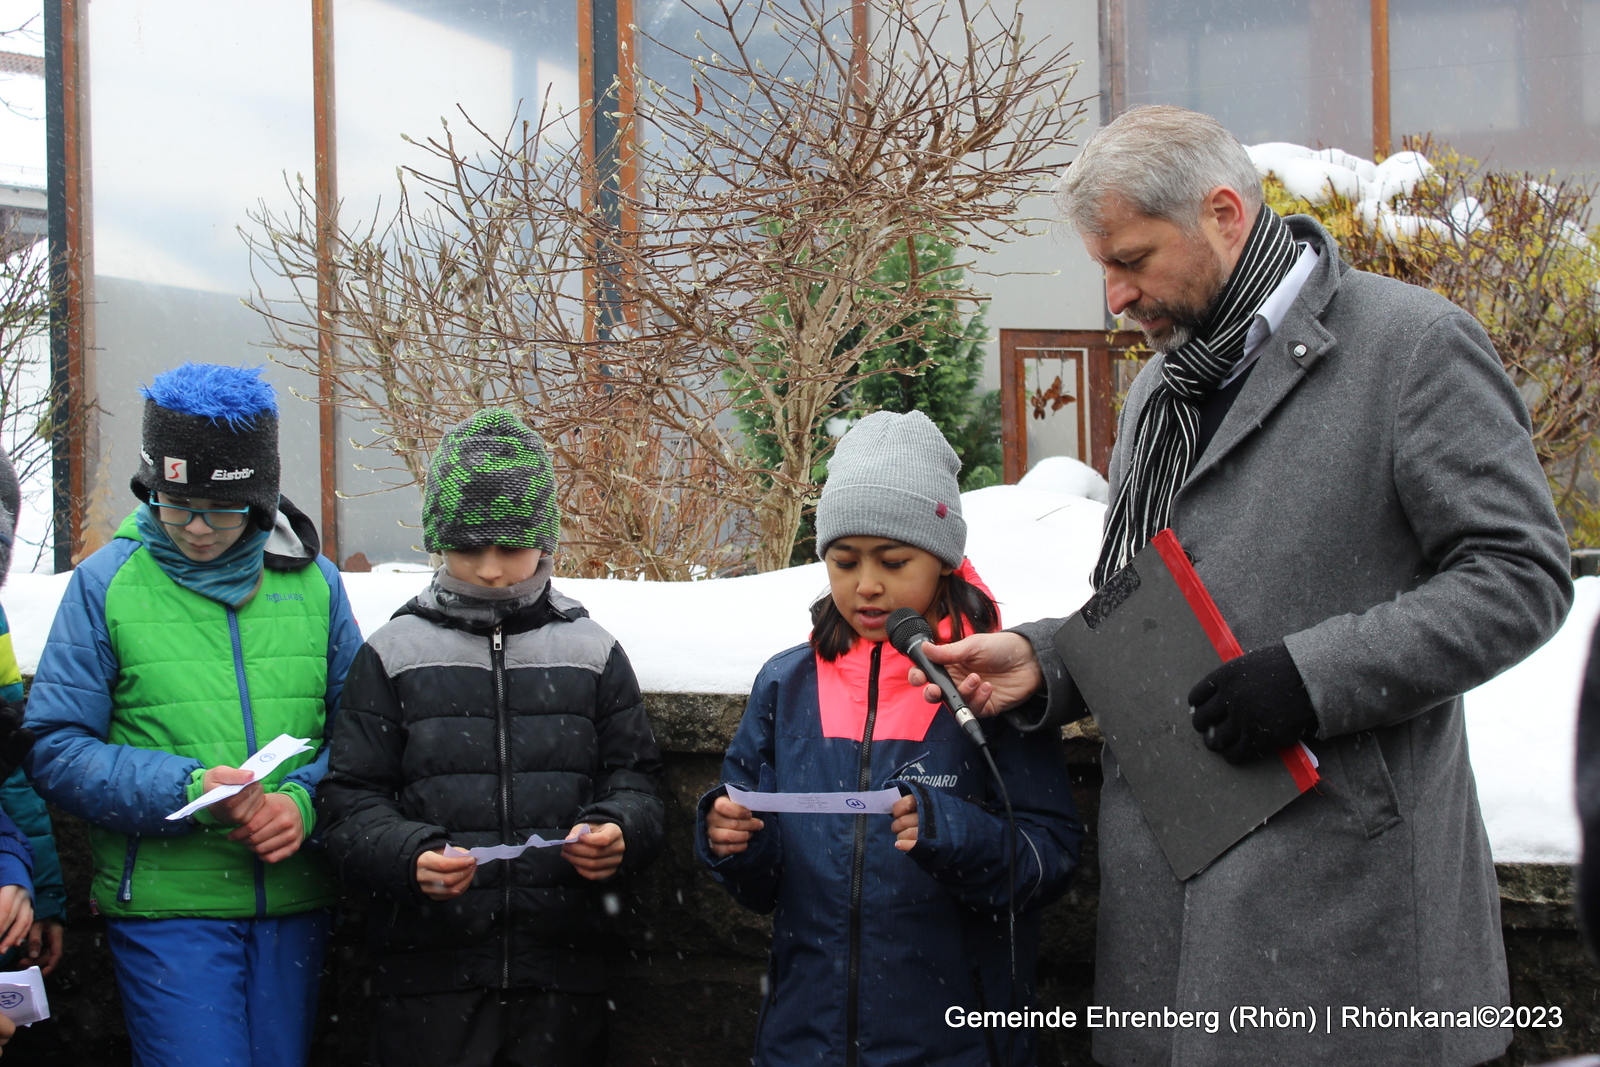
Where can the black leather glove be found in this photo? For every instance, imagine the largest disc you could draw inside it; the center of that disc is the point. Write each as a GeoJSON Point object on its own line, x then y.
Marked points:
{"type": "Point", "coordinates": [1253, 705]}
{"type": "Point", "coordinates": [15, 739]}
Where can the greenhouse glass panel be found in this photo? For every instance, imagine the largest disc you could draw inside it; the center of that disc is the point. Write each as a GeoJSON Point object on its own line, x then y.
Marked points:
{"type": "Point", "coordinates": [197, 112]}
{"type": "Point", "coordinates": [1268, 70]}
{"type": "Point", "coordinates": [402, 70]}
{"type": "Point", "coordinates": [1514, 84]}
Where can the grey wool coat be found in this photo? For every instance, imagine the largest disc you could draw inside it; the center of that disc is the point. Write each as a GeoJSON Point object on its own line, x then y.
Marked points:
{"type": "Point", "coordinates": [1373, 501]}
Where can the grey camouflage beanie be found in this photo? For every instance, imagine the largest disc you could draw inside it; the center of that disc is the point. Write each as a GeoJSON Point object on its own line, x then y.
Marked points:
{"type": "Point", "coordinates": [894, 476]}
{"type": "Point", "coordinates": [491, 483]}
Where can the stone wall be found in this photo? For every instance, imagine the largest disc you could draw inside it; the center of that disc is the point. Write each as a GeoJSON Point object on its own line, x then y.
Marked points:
{"type": "Point", "coordinates": [689, 962]}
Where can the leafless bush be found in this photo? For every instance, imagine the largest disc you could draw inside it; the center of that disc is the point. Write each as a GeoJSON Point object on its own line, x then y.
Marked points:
{"type": "Point", "coordinates": [734, 228]}
{"type": "Point", "coordinates": [28, 412]}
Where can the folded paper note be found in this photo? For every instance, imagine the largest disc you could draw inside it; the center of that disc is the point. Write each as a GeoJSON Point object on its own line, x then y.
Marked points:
{"type": "Point", "coordinates": [266, 760]}
{"type": "Point", "coordinates": [490, 853]}
{"type": "Point", "coordinates": [22, 998]}
{"type": "Point", "coordinates": [875, 803]}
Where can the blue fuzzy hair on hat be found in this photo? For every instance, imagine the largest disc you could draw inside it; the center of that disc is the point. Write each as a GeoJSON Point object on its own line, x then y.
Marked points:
{"type": "Point", "coordinates": [211, 431]}
{"type": "Point", "coordinates": [235, 395]}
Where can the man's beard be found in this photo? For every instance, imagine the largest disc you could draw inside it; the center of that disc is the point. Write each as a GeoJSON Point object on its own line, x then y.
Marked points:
{"type": "Point", "coordinates": [1186, 316]}
{"type": "Point", "coordinates": [1183, 323]}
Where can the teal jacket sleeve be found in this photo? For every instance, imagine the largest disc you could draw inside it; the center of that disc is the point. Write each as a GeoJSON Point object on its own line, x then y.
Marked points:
{"type": "Point", "coordinates": [27, 809]}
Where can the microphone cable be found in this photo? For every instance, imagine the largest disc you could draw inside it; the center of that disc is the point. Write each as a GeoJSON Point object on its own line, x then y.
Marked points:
{"type": "Point", "coordinates": [908, 631]}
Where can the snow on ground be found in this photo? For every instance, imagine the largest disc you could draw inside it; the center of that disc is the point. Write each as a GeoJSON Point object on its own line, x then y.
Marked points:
{"type": "Point", "coordinates": [1035, 548]}
{"type": "Point", "coordinates": [1522, 731]}
{"type": "Point", "coordinates": [1063, 474]}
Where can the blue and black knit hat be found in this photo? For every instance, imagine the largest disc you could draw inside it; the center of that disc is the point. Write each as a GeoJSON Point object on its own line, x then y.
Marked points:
{"type": "Point", "coordinates": [491, 483]}
{"type": "Point", "coordinates": [211, 431]}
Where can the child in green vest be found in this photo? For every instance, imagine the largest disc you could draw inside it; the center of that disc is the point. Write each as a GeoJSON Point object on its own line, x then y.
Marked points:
{"type": "Point", "coordinates": [208, 627]}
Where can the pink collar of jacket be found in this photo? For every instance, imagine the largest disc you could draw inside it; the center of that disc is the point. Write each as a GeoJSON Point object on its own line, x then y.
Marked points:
{"type": "Point", "coordinates": [903, 714]}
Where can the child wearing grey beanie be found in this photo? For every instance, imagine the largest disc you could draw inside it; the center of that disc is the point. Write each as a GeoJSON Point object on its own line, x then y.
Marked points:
{"type": "Point", "coordinates": [894, 476]}
{"type": "Point", "coordinates": [920, 900]}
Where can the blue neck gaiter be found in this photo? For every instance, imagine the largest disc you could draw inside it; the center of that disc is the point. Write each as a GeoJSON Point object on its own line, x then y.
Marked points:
{"type": "Point", "coordinates": [229, 579]}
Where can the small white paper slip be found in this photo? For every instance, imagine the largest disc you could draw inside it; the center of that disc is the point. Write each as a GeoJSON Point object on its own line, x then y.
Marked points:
{"type": "Point", "coordinates": [263, 763]}
{"type": "Point", "coordinates": [22, 998]}
{"type": "Point", "coordinates": [490, 853]}
{"type": "Point", "coordinates": [877, 802]}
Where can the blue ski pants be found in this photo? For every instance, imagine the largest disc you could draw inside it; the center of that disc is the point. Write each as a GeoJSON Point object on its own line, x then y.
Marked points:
{"type": "Point", "coordinates": [219, 992]}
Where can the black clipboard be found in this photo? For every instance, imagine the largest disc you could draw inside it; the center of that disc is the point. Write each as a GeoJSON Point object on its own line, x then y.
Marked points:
{"type": "Point", "coordinates": [1135, 650]}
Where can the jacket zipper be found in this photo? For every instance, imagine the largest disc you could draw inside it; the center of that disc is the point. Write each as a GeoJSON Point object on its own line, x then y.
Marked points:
{"type": "Point", "coordinates": [125, 890]}
{"type": "Point", "coordinates": [858, 867]}
{"type": "Point", "coordinates": [989, 1042]}
{"type": "Point", "coordinates": [249, 741]}
{"type": "Point", "coordinates": [502, 740]}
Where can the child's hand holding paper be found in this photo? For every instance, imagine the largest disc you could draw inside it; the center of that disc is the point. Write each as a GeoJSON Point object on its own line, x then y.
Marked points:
{"type": "Point", "coordinates": [223, 783]}
{"type": "Point", "coordinates": [22, 999]}
{"type": "Point", "coordinates": [238, 806]}
{"type": "Point", "coordinates": [594, 851]}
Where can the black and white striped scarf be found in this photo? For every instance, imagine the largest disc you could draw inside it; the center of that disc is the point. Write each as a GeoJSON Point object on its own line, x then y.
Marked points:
{"type": "Point", "coordinates": [1164, 443]}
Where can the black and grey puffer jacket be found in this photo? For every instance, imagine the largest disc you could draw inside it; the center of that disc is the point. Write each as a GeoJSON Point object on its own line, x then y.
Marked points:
{"type": "Point", "coordinates": [452, 731]}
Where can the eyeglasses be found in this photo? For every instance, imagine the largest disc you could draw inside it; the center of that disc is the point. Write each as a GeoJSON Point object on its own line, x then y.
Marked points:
{"type": "Point", "coordinates": [216, 518]}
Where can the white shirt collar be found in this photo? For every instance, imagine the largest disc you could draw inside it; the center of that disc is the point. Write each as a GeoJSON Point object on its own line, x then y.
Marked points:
{"type": "Point", "coordinates": [1269, 316]}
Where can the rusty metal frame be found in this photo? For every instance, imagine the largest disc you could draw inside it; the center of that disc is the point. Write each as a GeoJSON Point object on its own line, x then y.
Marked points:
{"type": "Point", "coordinates": [1113, 59]}
{"type": "Point", "coordinates": [860, 73]}
{"type": "Point", "coordinates": [327, 190]}
{"type": "Point", "coordinates": [67, 179]}
{"type": "Point", "coordinates": [1382, 141]}
{"type": "Point", "coordinates": [1100, 403]}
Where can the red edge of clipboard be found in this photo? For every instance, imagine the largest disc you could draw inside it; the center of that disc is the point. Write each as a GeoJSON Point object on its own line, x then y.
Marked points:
{"type": "Point", "coordinates": [1194, 591]}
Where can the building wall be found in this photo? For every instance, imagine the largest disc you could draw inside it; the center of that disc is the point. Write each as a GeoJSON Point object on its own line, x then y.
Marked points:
{"type": "Point", "coordinates": [1046, 281]}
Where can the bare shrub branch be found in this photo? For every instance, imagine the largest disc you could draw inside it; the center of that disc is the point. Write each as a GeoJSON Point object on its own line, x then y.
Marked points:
{"type": "Point", "coordinates": [765, 202]}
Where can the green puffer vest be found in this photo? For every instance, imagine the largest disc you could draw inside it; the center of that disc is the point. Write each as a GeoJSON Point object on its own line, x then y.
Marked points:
{"type": "Point", "coordinates": [198, 679]}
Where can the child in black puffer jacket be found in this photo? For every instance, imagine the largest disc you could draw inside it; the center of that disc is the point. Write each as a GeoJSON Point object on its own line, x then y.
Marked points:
{"type": "Point", "coordinates": [490, 708]}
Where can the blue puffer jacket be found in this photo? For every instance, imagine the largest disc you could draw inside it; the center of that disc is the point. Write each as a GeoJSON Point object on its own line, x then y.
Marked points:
{"type": "Point", "coordinates": [132, 789]}
{"type": "Point", "coordinates": [872, 946]}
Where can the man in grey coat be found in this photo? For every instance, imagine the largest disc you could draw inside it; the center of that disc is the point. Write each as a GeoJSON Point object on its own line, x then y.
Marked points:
{"type": "Point", "coordinates": [1352, 472]}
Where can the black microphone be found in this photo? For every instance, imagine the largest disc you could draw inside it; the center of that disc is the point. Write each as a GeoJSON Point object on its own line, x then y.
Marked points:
{"type": "Point", "coordinates": [908, 632]}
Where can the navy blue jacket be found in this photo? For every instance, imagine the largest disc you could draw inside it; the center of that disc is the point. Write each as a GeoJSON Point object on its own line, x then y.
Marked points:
{"type": "Point", "coordinates": [872, 946]}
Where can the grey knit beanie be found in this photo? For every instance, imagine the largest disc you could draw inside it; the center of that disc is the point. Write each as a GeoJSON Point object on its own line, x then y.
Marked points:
{"type": "Point", "coordinates": [894, 476]}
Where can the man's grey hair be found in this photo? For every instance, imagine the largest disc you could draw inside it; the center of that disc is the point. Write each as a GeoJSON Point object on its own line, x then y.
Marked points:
{"type": "Point", "coordinates": [1161, 161]}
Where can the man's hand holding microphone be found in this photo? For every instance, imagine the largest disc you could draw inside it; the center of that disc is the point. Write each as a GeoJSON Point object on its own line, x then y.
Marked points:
{"type": "Point", "coordinates": [1247, 708]}
{"type": "Point", "coordinates": [993, 672]}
